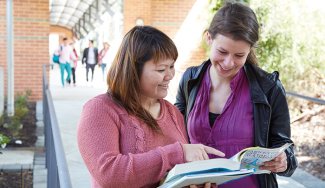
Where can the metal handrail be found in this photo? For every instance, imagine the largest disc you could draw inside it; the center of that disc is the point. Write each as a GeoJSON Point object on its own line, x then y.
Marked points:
{"type": "Point", "coordinates": [56, 164]}
{"type": "Point", "coordinates": [315, 100]}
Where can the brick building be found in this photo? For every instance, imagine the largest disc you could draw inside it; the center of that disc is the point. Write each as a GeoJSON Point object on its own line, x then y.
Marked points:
{"type": "Point", "coordinates": [183, 20]}
{"type": "Point", "coordinates": [31, 30]}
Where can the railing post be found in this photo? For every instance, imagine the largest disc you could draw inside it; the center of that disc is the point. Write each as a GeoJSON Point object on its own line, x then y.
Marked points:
{"type": "Point", "coordinates": [10, 60]}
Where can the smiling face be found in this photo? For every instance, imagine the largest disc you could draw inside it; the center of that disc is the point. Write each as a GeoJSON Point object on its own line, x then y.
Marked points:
{"type": "Point", "coordinates": [228, 56]}
{"type": "Point", "coordinates": [155, 78]}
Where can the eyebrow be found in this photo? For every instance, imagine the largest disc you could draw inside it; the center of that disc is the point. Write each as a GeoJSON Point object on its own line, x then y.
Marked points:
{"type": "Point", "coordinates": [163, 65]}
{"type": "Point", "coordinates": [240, 53]}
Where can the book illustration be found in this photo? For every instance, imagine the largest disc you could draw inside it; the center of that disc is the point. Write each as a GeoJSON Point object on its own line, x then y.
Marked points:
{"type": "Point", "coordinates": [221, 170]}
{"type": "Point", "coordinates": [252, 158]}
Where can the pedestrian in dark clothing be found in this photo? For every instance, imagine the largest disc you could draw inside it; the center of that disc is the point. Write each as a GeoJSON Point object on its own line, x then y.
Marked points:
{"type": "Point", "coordinates": [90, 57]}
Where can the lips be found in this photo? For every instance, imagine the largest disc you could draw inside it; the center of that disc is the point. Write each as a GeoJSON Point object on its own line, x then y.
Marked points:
{"type": "Point", "coordinates": [223, 69]}
{"type": "Point", "coordinates": [163, 85]}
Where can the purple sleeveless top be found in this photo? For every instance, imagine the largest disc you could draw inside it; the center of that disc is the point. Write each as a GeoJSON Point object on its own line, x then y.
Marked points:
{"type": "Point", "coordinates": [233, 129]}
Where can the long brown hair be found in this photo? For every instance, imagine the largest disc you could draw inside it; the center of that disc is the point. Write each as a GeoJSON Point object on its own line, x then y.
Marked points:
{"type": "Point", "coordinates": [139, 45]}
{"type": "Point", "coordinates": [239, 22]}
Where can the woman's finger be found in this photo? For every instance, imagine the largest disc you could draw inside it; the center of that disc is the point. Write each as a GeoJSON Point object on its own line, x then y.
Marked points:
{"type": "Point", "coordinates": [281, 157]}
{"type": "Point", "coordinates": [213, 151]}
{"type": "Point", "coordinates": [205, 155]}
{"type": "Point", "coordinates": [207, 185]}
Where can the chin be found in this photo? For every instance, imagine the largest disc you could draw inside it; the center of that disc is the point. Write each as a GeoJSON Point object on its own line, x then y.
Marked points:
{"type": "Point", "coordinates": [229, 74]}
{"type": "Point", "coordinates": [162, 95]}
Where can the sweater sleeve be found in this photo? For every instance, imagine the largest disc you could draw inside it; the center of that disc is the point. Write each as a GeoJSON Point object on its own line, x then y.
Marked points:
{"type": "Point", "coordinates": [99, 145]}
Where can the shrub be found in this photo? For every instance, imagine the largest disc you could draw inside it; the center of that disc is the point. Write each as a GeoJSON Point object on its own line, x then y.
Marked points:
{"type": "Point", "coordinates": [4, 140]}
{"type": "Point", "coordinates": [13, 124]}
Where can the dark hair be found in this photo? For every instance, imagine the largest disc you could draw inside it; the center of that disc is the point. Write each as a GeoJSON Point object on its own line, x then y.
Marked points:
{"type": "Point", "coordinates": [92, 41]}
{"type": "Point", "coordinates": [139, 45]}
{"type": "Point", "coordinates": [239, 22]}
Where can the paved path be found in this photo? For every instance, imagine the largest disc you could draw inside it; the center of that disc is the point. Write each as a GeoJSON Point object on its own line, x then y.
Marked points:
{"type": "Point", "coordinates": [68, 103]}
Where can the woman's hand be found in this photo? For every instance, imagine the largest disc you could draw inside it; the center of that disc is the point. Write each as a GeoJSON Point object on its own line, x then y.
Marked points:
{"type": "Point", "coordinates": [196, 152]}
{"type": "Point", "coordinates": [278, 164]}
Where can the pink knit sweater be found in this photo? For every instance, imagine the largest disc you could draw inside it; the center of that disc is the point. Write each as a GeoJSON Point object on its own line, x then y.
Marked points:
{"type": "Point", "coordinates": [121, 151]}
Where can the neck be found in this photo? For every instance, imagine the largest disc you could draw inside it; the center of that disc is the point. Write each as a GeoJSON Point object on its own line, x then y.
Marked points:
{"type": "Point", "coordinates": [148, 103]}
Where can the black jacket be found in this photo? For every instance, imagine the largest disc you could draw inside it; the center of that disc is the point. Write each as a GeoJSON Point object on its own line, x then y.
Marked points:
{"type": "Point", "coordinates": [271, 113]}
{"type": "Point", "coordinates": [85, 56]}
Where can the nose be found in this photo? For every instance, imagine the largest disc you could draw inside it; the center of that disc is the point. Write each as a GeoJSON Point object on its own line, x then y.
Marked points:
{"type": "Point", "coordinates": [228, 62]}
{"type": "Point", "coordinates": [169, 74]}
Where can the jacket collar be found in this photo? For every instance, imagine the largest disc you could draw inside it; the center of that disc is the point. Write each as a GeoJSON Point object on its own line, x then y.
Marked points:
{"type": "Point", "coordinates": [201, 69]}
{"type": "Point", "coordinates": [259, 82]}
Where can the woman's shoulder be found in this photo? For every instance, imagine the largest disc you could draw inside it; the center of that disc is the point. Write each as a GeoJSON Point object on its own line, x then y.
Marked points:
{"type": "Point", "coordinates": [102, 98]}
{"type": "Point", "coordinates": [263, 74]}
{"type": "Point", "coordinates": [265, 79]}
{"type": "Point", "coordinates": [102, 102]}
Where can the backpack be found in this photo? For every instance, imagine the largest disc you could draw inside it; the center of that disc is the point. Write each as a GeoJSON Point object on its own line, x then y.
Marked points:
{"type": "Point", "coordinates": [56, 57]}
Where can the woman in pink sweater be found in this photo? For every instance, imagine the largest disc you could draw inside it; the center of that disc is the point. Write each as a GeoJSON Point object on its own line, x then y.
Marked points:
{"type": "Point", "coordinates": [130, 136]}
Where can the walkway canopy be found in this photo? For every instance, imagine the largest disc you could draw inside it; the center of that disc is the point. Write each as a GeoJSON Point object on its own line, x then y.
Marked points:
{"type": "Point", "coordinates": [80, 16]}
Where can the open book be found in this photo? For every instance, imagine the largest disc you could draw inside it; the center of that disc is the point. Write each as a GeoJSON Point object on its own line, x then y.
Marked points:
{"type": "Point", "coordinates": [221, 170]}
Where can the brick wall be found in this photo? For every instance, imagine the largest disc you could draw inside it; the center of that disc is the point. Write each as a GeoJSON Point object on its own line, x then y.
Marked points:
{"type": "Point", "coordinates": [31, 31]}
{"type": "Point", "coordinates": [166, 15]}
{"type": "Point", "coordinates": [170, 17]}
{"type": "Point", "coordinates": [135, 9]}
{"type": "Point", "coordinates": [61, 31]}
{"type": "Point", "coordinates": [31, 43]}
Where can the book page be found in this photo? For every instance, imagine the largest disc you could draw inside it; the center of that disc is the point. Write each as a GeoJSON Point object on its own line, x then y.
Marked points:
{"type": "Point", "coordinates": [195, 167]}
{"type": "Point", "coordinates": [197, 179]}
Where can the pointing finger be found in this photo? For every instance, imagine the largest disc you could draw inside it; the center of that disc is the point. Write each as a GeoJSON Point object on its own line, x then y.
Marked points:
{"type": "Point", "coordinates": [205, 155]}
{"type": "Point", "coordinates": [213, 151]}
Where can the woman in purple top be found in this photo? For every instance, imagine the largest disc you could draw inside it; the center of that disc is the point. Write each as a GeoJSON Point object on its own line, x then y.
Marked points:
{"type": "Point", "coordinates": [229, 103]}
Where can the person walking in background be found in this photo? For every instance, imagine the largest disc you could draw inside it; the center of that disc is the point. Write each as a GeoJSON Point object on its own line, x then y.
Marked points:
{"type": "Point", "coordinates": [103, 58]}
{"type": "Point", "coordinates": [74, 63]}
{"type": "Point", "coordinates": [65, 52]}
{"type": "Point", "coordinates": [130, 136]}
{"type": "Point", "coordinates": [229, 103]}
{"type": "Point", "coordinates": [90, 57]}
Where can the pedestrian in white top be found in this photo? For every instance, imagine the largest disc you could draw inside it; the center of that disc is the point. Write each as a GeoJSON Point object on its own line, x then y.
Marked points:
{"type": "Point", "coordinates": [73, 63]}
{"type": "Point", "coordinates": [65, 52]}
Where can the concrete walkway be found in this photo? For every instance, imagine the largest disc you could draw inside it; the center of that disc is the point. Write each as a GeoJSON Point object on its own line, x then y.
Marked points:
{"type": "Point", "coordinates": [68, 104]}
